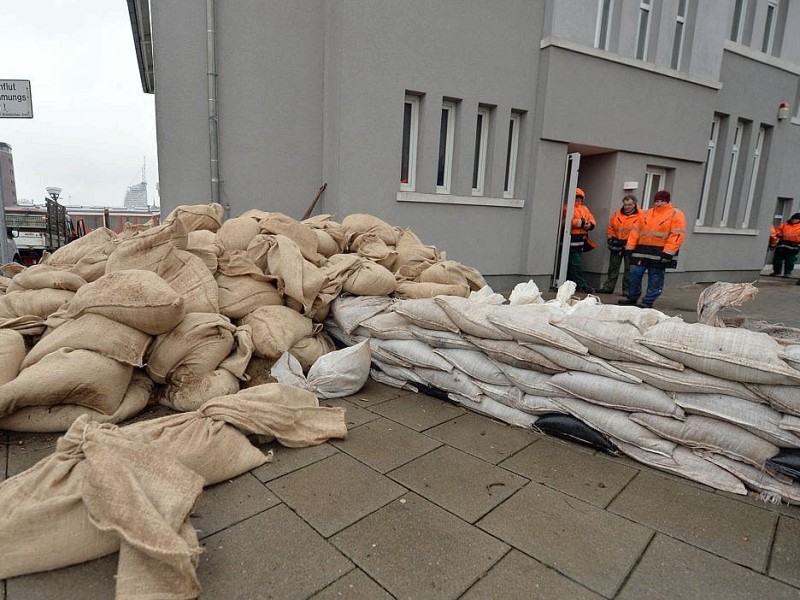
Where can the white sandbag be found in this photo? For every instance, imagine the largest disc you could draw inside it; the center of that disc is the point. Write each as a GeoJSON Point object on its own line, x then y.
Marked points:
{"type": "Point", "coordinates": [425, 312]}
{"type": "Point", "coordinates": [350, 311]}
{"type": "Point", "coordinates": [526, 292]}
{"type": "Point", "coordinates": [539, 405]}
{"type": "Point", "coordinates": [454, 381]}
{"type": "Point", "coordinates": [496, 410]}
{"type": "Point", "coordinates": [394, 382]}
{"type": "Point", "coordinates": [484, 295]}
{"type": "Point", "coordinates": [568, 361]}
{"type": "Point", "coordinates": [380, 354]}
{"type": "Point", "coordinates": [526, 323]}
{"type": "Point", "coordinates": [687, 464]}
{"type": "Point", "coordinates": [613, 340]}
{"type": "Point", "coordinates": [687, 380]}
{"type": "Point", "coordinates": [407, 374]}
{"type": "Point", "coordinates": [505, 394]}
{"type": "Point", "coordinates": [634, 397]}
{"type": "Point", "coordinates": [415, 353]}
{"type": "Point", "coordinates": [472, 318]}
{"type": "Point", "coordinates": [530, 381]}
{"type": "Point", "coordinates": [277, 328]}
{"type": "Point", "coordinates": [771, 489]}
{"type": "Point", "coordinates": [641, 318]}
{"type": "Point", "coordinates": [783, 398]}
{"type": "Point", "coordinates": [388, 326]}
{"type": "Point", "coordinates": [515, 354]}
{"type": "Point", "coordinates": [616, 424]}
{"type": "Point", "coordinates": [711, 434]}
{"type": "Point", "coordinates": [475, 364]}
{"type": "Point", "coordinates": [12, 353]}
{"type": "Point", "coordinates": [335, 375]}
{"type": "Point", "coordinates": [338, 334]}
{"type": "Point", "coordinates": [791, 354]}
{"type": "Point", "coordinates": [440, 339]}
{"type": "Point", "coordinates": [729, 353]}
{"type": "Point", "coordinates": [187, 390]}
{"type": "Point", "coordinates": [756, 418]}
{"type": "Point", "coordinates": [790, 423]}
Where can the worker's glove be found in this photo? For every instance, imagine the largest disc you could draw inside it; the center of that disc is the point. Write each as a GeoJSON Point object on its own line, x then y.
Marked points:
{"type": "Point", "coordinates": [666, 258]}
{"type": "Point", "coordinates": [588, 225]}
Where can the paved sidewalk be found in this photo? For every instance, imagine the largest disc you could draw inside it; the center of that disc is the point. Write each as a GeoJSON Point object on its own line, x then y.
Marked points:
{"type": "Point", "coordinates": [427, 500]}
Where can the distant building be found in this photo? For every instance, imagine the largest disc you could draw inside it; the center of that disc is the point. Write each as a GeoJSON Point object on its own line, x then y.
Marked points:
{"type": "Point", "coordinates": [114, 218]}
{"type": "Point", "coordinates": [136, 196]}
{"type": "Point", "coordinates": [8, 185]}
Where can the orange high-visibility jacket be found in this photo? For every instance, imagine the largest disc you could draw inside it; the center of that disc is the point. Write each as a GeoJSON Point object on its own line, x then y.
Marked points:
{"type": "Point", "coordinates": [773, 236]}
{"type": "Point", "coordinates": [620, 225]}
{"type": "Point", "coordinates": [659, 229]}
{"type": "Point", "coordinates": [788, 236]}
{"type": "Point", "coordinates": [582, 222]}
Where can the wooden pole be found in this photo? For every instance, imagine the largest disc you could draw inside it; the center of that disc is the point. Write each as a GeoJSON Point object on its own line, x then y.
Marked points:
{"type": "Point", "coordinates": [314, 203]}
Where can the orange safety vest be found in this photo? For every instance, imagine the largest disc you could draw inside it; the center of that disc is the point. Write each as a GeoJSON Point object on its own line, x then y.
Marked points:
{"type": "Point", "coordinates": [659, 229]}
{"type": "Point", "coordinates": [773, 236]}
{"type": "Point", "coordinates": [580, 234]}
{"type": "Point", "coordinates": [620, 225]}
{"type": "Point", "coordinates": [788, 235]}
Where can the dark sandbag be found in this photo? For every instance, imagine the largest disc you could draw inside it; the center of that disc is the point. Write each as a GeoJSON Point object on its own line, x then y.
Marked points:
{"type": "Point", "coordinates": [573, 429]}
{"type": "Point", "coordinates": [785, 463]}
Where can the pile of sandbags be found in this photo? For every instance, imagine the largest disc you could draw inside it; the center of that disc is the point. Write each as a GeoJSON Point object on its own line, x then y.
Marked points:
{"type": "Point", "coordinates": [717, 405]}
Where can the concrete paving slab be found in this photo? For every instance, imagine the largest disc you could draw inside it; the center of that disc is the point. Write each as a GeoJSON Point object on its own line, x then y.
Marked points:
{"type": "Point", "coordinates": [458, 482]}
{"type": "Point", "coordinates": [227, 503]}
{"type": "Point", "coordinates": [418, 411]}
{"type": "Point", "coordinates": [285, 460]}
{"type": "Point", "coordinates": [735, 530]}
{"type": "Point", "coordinates": [374, 393]}
{"type": "Point", "coordinates": [273, 554]}
{"type": "Point", "coordinates": [415, 549]}
{"type": "Point", "coordinates": [385, 445]}
{"type": "Point", "coordinates": [89, 580]}
{"type": "Point", "coordinates": [519, 577]}
{"type": "Point", "coordinates": [354, 415]}
{"type": "Point", "coordinates": [335, 492]}
{"type": "Point", "coordinates": [675, 570]}
{"type": "Point", "coordinates": [560, 465]}
{"type": "Point", "coordinates": [356, 584]}
{"type": "Point", "coordinates": [585, 543]}
{"type": "Point", "coordinates": [482, 437]}
{"type": "Point", "coordinates": [26, 449]}
{"type": "Point", "coordinates": [785, 562]}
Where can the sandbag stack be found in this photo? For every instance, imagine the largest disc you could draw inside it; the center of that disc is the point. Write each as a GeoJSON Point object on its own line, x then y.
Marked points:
{"type": "Point", "coordinates": [713, 404]}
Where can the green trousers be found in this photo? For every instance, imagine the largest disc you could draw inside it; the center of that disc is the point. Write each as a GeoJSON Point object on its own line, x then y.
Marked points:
{"type": "Point", "coordinates": [575, 269]}
{"type": "Point", "coordinates": [783, 261]}
{"type": "Point", "coordinates": [614, 264]}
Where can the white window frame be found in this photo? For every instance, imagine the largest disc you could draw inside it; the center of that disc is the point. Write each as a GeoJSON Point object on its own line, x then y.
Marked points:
{"type": "Point", "coordinates": [413, 137]}
{"type": "Point", "coordinates": [512, 152]}
{"type": "Point", "coordinates": [751, 190]}
{"type": "Point", "coordinates": [770, 25]}
{"type": "Point", "coordinates": [645, 13]}
{"type": "Point", "coordinates": [735, 147]}
{"type": "Point", "coordinates": [650, 175]}
{"type": "Point", "coordinates": [739, 17]}
{"type": "Point", "coordinates": [605, 10]}
{"type": "Point", "coordinates": [447, 166]}
{"type": "Point", "coordinates": [680, 34]}
{"type": "Point", "coordinates": [481, 148]}
{"type": "Point", "coordinates": [708, 173]}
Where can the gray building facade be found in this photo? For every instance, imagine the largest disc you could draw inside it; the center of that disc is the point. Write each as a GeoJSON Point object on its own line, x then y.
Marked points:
{"type": "Point", "coordinates": [462, 119]}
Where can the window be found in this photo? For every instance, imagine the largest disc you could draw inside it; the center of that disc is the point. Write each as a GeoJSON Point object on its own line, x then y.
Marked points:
{"type": "Point", "coordinates": [751, 190]}
{"type": "Point", "coordinates": [737, 141]}
{"type": "Point", "coordinates": [769, 26]}
{"type": "Point", "coordinates": [654, 179]}
{"type": "Point", "coordinates": [708, 171]}
{"type": "Point", "coordinates": [680, 32]}
{"type": "Point", "coordinates": [444, 170]}
{"type": "Point", "coordinates": [643, 37]}
{"type": "Point", "coordinates": [481, 145]}
{"type": "Point", "coordinates": [408, 158]}
{"type": "Point", "coordinates": [737, 26]}
{"type": "Point", "coordinates": [511, 155]}
{"type": "Point", "coordinates": [603, 29]}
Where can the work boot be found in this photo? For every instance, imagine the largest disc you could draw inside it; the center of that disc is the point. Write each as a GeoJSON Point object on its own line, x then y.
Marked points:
{"type": "Point", "coordinates": [628, 301]}
{"type": "Point", "coordinates": [643, 305]}
{"type": "Point", "coordinates": [585, 290]}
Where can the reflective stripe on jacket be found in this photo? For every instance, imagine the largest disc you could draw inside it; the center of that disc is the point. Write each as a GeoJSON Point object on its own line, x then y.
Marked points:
{"type": "Point", "coordinates": [659, 229]}
{"type": "Point", "coordinates": [620, 226]}
{"type": "Point", "coordinates": [788, 235]}
{"type": "Point", "coordinates": [578, 234]}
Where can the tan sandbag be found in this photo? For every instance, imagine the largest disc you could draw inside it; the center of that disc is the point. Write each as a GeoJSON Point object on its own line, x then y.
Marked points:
{"type": "Point", "coordinates": [198, 216]}
{"type": "Point", "coordinates": [68, 376]}
{"type": "Point", "coordinates": [359, 223]}
{"type": "Point", "coordinates": [259, 371]}
{"type": "Point", "coordinates": [12, 268]}
{"type": "Point", "coordinates": [236, 234]}
{"type": "Point", "coordinates": [40, 277]}
{"type": "Point", "coordinates": [61, 416]}
{"type": "Point", "coordinates": [140, 299]}
{"type": "Point", "coordinates": [27, 325]}
{"type": "Point", "coordinates": [453, 273]}
{"type": "Point", "coordinates": [187, 390]}
{"type": "Point", "coordinates": [413, 257]}
{"type": "Point", "coordinates": [188, 275]}
{"type": "Point", "coordinates": [371, 247]}
{"type": "Point", "coordinates": [90, 267]}
{"type": "Point", "coordinates": [236, 362]}
{"type": "Point", "coordinates": [4, 283]}
{"type": "Point", "coordinates": [326, 244]}
{"type": "Point", "coordinates": [280, 224]}
{"type": "Point", "coordinates": [241, 295]}
{"type": "Point", "coordinates": [414, 290]}
{"type": "Point", "coordinates": [277, 328]}
{"type": "Point", "coordinates": [332, 229]}
{"type": "Point", "coordinates": [370, 279]}
{"type": "Point", "coordinates": [310, 349]}
{"type": "Point", "coordinates": [12, 353]}
{"type": "Point", "coordinates": [206, 246]}
{"type": "Point", "coordinates": [93, 243]}
{"type": "Point", "coordinates": [96, 333]}
{"type": "Point", "coordinates": [148, 250]}
{"type": "Point", "coordinates": [199, 342]}
{"type": "Point", "coordinates": [37, 303]}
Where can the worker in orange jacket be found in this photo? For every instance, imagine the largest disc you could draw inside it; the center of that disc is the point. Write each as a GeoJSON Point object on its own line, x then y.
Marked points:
{"type": "Point", "coordinates": [653, 245]}
{"type": "Point", "coordinates": [582, 223]}
{"type": "Point", "coordinates": [619, 228]}
{"type": "Point", "coordinates": [787, 245]}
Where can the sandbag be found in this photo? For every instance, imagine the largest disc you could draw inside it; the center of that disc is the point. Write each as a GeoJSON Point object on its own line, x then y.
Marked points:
{"type": "Point", "coordinates": [641, 318]}
{"type": "Point", "coordinates": [530, 381]}
{"type": "Point", "coordinates": [189, 276]}
{"type": "Point", "coordinates": [771, 489]}
{"type": "Point", "coordinates": [327, 231]}
{"type": "Point", "coordinates": [784, 398]}
{"type": "Point", "coordinates": [92, 243]}
{"type": "Point", "coordinates": [453, 381]}
{"type": "Point", "coordinates": [515, 354]}
{"type": "Point", "coordinates": [475, 364]}
{"type": "Point", "coordinates": [417, 290]}
{"type": "Point", "coordinates": [148, 250]}
{"type": "Point", "coordinates": [236, 234]}
{"type": "Point", "coordinates": [276, 329]}
{"type": "Point", "coordinates": [427, 313]}
{"type": "Point", "coordinates": [573, 429]}
{"type": "Point", "coordinates": [371, 247]}
{"type": "Point", "coordinates": [37, 303]}
{"type": "Point", "coordinates": [12, 353]}
{"type": "Point", "coordinates": [472, 318]}
{"type": "Point", "coordinates": [451, 272]}
{"type": "Point", "coordinates": [241, 295]}
{"type": "Point", "coordinates": [348, 312]}
{"type": "Point", "coordinates": [414, 353]}
{"type": "Point", "coordinates": [440, 339]}
{"type": "Point", "coordinates": [39, 277]}
{"type": "Point", "coordinates": [387, 326]}
{"type": "Point", "coordinates": [198, 216]}
{"type": "Point", "coordinates": [205, 245]}
{"type": "Point", "coordinates": [413, 257]}
{"type": "Point", "coordinates": [276, 223]}
{"type": "Point", "coordinates": [312, 348]}
{"type": "Point", "coordinates": [335, 375]}
{"type": "Point", "coordinates": [529, 323]}
{"type": "Point", "coordinates": [186, 390]}
{"type": "Point", "coordinates": [496, 410]}
{"type": "Point", "coordinates": [569, 361]}
{"type": "Point", "coordinates": [369, 279]}
{"type": "Point", "coordinates": [359, 223]}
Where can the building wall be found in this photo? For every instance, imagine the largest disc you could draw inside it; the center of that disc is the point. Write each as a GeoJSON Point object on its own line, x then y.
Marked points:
{"type": "Point", "coordinates": [8, 186]}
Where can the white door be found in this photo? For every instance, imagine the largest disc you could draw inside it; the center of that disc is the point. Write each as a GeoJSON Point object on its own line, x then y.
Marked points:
{"type": "Point", "coordinates": [567, 208]}
{"type": "Point", "coordinates": [654, 180]}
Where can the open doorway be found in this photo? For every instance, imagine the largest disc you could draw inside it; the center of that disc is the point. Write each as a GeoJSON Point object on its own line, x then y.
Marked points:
{"type": "Point", "coordinates": [567, 208]}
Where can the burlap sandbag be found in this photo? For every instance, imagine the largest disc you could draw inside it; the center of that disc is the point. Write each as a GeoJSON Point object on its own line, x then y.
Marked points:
{"type": "Point", "coordinates": [328, 231]}
{"type": "Point", "coordinates": [241, 295]}
{"type": "Point", "coordinates": [4, 283]}
{"type": "Point", "coordinates": [12, 353]}
{"type": "Point", "coordinates": [68, 376]}
{"type": "Point", "coordinates": [188, 275]}
{"type": "Point", "coordinates": [61, 416]}
{"type": "Point", "coordinates": [198, 216]}
{"type": "Point", "coordinates": [93, 243]}
{"type": "Point", "coordinates": [236, 234]}
{"type": "Point", "coordinates": [96, 333]}
{"type": "Point", "coordinates": [39, 277]}
{"type": "Point", "coordinates": [148, 250]}
{"type": "Point", "coordinates": [326, 244]}
{"type": "Point", "coordinates": [187, 390]}
{"type": "Point", "coordinates": [277, 328]}
{"type": "Point", "coordinates": [371, 247]}
{"type": "Point", "coordinates": [139, 299]}
{"type": "Point", "coordinates": [413, 257]}
{"type": "Point", "coordinates": [310, 349]}
{"type": "Point", "coordinates": [359, 223]}
{"type": "Point", "coordinates": [199, 342]}
{"type": "Point", "coordinates": [369, 279]}
{"type": "Point", "coordinates": [92, 266]}
{"type": "Point", "coordinates": [205, 245]}
{"type": "Point", "coordinates": [27, 325]}
{"type": "Point", "coordinates": [415, 290]}
{"type": "Point", "coordinates": [453, 273]}
{"type": "Point", "coordinates": [280, 224]}
{"type": "Point", "coordinates": [37, 303]}
{"type": "Point", "coordinates": [236, 362]}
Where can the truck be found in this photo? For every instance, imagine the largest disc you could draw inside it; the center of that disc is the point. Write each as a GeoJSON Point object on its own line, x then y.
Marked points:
{"type": "Point", "coordinates": [34, 230]}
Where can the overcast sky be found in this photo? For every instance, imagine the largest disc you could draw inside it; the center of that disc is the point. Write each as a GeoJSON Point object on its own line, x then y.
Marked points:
{"type": "Point", "coordinates": [92, 125]}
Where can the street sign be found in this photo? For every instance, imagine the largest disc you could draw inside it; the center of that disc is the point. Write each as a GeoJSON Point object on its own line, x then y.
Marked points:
{"type": "Point", "coordinates": [15, 99]}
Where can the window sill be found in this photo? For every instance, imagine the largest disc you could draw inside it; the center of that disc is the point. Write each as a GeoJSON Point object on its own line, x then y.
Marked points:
{"type": "Point", "coordinates": [725, 230]}
{"type": "Point", "coordinates": [468, 200]}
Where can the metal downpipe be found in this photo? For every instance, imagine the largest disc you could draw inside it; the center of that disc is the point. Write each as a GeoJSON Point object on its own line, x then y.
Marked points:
{"type": "Point", "coordinates": [213, 121]}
